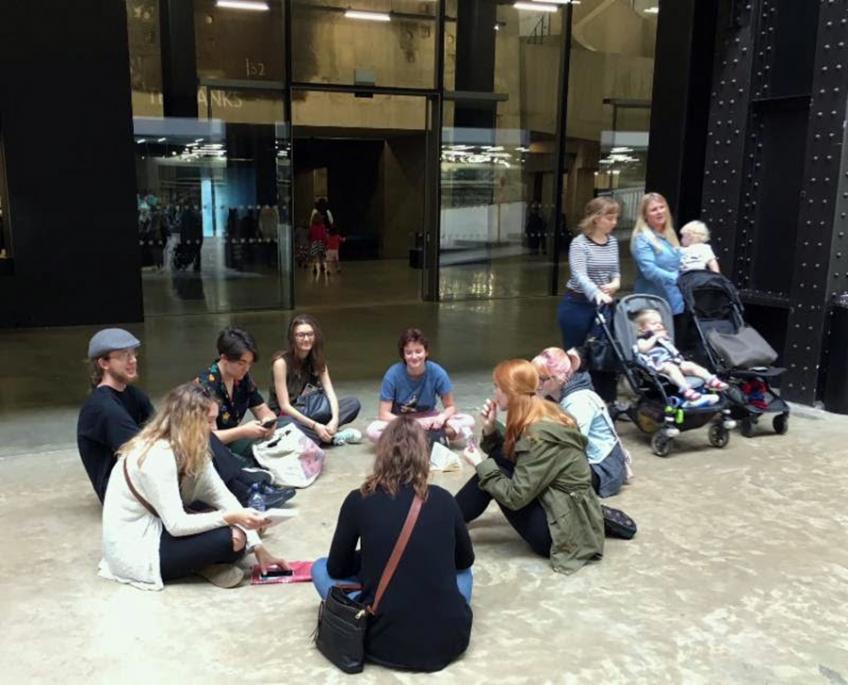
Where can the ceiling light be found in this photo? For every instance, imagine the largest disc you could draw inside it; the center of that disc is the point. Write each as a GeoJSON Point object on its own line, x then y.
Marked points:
{"type": "Point", "coordinates": [243, 5]}
{"type": "Point", "coordinates": [652, 10]}
{"type": "Point", "coordinates": [141, 140]}
{"type": "Point", "coordinates": [557, 2]}
{"type": "Point", "coordinates": [535, 7]}
{"type": "Point", "coordinates": [161, 140]}
{"type": "Point", "coordinates": [367, 16]}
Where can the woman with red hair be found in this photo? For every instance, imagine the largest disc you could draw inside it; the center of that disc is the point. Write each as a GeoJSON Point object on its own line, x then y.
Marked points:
{"type": "Point", "coordinates": [537, 472]}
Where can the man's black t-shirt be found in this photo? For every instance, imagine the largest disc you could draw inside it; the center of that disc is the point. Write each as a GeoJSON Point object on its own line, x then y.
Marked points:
{"type": "Point", "coordinates": [107, 420]}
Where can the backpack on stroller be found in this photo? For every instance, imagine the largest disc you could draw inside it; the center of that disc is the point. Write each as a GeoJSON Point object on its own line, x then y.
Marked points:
{"type": "Point", "coordinates": [727, 346]}
{"type": "Point", "coordinates": [658, 410]}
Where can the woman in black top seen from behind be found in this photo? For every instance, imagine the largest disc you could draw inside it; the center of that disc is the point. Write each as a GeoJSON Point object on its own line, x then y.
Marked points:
{"type": "Point", "coordinates": [424, 619]}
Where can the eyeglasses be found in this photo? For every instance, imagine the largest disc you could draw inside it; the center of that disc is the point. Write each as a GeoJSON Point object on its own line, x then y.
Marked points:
{"type": "Point", "coordinates": [124, 355]}
{"type": "Point", "coordinates": [301, 336]}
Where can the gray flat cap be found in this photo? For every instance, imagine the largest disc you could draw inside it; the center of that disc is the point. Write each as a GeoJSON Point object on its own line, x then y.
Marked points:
{"type": "Point", "coordinates": [110, 339]}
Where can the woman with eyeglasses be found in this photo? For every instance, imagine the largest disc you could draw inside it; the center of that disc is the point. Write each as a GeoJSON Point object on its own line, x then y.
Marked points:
{"type": "Point", "coordinates": [301, 389]}
{"type": "Point", "coordinates": [148, 535]}
{"type": "Point", "coordinates": [561, 382]}
{"type": "Point", "coordinates": [536, 471]}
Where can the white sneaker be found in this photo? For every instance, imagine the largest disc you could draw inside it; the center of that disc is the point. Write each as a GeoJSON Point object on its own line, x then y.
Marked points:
{"type": "Point", "coordinates": [348, 435]}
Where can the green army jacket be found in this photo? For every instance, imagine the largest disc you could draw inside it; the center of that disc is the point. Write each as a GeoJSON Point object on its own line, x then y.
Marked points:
{"type": "Point", "coordinates": [551, 465]}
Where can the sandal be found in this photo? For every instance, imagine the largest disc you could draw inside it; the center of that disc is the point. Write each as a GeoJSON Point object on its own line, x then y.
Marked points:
{"type": "Point", "coordinates": [715, 383]}
{"type": "Point", "coordinates": [690, 395]}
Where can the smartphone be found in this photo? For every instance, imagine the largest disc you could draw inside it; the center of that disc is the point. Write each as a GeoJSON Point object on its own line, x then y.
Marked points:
{"type": "Point", "coordinates": [267, 423]}
{"type": "Point", "coordinates": [277, 573]}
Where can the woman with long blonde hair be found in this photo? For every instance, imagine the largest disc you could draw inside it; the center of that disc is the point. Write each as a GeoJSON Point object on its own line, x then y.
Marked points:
{"type": "Point", "coordinates": [148, 536]}
{"type": "Point", "coordinates": [423, 621]}
{"type": "Point", "coordinates": [537, 472]}
{"type": "Point", "coordinates": [656, 252]}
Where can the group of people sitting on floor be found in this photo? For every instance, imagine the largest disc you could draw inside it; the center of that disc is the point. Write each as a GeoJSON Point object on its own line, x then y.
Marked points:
{"type": "Point", "coordinates": [175, 483]}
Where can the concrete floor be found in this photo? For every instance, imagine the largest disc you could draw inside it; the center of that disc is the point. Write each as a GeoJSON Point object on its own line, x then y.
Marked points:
{"type": "Point", "coordinates": [739, 573]}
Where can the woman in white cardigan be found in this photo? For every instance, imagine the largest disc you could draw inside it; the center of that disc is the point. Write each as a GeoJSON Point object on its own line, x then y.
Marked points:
{"type": "Point", "coordinates": [148, 536]}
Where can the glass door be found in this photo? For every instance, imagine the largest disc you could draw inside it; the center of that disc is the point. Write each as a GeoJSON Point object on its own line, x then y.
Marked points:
{"type": "Point", "coordinates": [214, 203]}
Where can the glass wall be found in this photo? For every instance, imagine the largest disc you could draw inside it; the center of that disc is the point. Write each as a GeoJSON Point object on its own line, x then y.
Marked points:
{"type": "Point", "coordinates": [509, 171]}
{"type": "Point", "coordinates": [213, 189]}
{"type": "Point", "coordinates": [609, 111]}
{"type": "Point", "coordinates": [499, 167]}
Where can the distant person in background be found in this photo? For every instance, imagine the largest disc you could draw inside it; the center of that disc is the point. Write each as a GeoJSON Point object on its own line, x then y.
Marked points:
{"type": "Point", "coordinates": [334, 243]}
{"type": "Point", "coordinates": [317, 244]}
{"type": "Point", "coordinates": [322, 209]}
{"type": "Point", "coordinates": [534, 229]}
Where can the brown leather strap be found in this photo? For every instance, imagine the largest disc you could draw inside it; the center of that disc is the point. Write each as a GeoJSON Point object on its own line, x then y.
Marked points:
{"type": "Point", "coordinates": [397, 552]}
{"type": "Point", "coordinates": [136, 493]}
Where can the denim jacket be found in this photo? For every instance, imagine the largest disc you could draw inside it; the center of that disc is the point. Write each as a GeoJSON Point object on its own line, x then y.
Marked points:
{"type": "Point", "coordinates": [593, 419]}
{"type": "Point", "coordinates": [656, 272]}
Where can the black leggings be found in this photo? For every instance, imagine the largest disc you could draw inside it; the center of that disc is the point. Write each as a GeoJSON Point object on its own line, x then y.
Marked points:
{"type": "Point", "coordinates": [530, 522]}
{"type": "Point", "coordinates": [180, 557]}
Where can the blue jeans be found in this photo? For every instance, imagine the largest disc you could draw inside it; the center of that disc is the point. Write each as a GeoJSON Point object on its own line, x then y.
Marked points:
{"type": "Point", "coordinates": [576, 317]}
{"type": "Point", "coordinates": [323, 582]}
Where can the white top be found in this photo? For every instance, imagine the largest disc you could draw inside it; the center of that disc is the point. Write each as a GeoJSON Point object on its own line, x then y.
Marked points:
{"type": "Point", "coordinates": [696, 256]}
{"type": "Point", "coordinates": [131, 533]}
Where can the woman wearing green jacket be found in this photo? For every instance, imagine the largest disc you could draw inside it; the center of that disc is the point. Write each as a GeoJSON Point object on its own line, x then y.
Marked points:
{"type": "Point", "coordinates": [537, 472]}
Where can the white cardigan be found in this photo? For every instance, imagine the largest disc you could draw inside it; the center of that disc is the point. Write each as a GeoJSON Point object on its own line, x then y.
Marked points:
{"type": "Point", "coordinates": [131, 533]}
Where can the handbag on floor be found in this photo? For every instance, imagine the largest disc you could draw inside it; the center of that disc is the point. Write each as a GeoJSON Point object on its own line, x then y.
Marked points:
{"type": "Point", "coordinates": [617, 524]}
{"type": "Point", "coordinates": [343, 622]}
{"type": "Point", "coordinates": [314, 403]}
{"type": "Point", "coordinates": [293, 459]}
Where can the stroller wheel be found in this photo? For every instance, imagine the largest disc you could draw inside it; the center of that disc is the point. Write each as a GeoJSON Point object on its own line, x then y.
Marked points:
{"type": "Point", "coordinates": [780, 423]}
{"type": "Point", "coordinates": [719, 436]}
{"type": "Point", "coordinates": [748, 427]}
{"type": "Point", "coordinates": [661, 444]}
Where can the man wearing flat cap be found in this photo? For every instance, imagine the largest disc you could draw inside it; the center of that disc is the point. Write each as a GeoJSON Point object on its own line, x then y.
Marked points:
{"type": "Point", "coordinates": [115, 410]}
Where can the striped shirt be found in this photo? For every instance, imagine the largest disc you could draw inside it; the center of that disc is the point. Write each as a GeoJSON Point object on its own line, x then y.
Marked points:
{"type": "Point", "coordinates": [592, 264]}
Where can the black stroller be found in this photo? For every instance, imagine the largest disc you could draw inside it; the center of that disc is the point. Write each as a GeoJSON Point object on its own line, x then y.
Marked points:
{"type": "Point", "coordinates": [657, 409]}
{"type": "Point", "coordinates": [735, 351]}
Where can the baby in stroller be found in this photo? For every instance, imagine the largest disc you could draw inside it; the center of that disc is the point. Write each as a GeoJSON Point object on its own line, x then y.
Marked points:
{"type": "Point", "coordinates": [655, 349]}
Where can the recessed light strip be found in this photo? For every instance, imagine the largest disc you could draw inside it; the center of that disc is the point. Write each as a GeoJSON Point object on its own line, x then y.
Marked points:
{"type": "Point", "coordinates": [535, 7]}
{"type": "Point", "coordinates": [367, 16]}
{"type": "Point", "coordinates": [243, 5]}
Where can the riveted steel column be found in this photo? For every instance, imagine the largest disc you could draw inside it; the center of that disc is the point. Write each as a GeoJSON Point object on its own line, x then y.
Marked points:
{"type": "Point", "coordinates": [821, 250]}
{"type": "Point", "coordinates": [727, 135]}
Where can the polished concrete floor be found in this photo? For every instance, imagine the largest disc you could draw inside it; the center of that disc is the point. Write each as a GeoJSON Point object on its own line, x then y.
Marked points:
{"type": "Point", "coordinates": [257, 284]}
{"type": "Point", "coordinates": [739, 573]}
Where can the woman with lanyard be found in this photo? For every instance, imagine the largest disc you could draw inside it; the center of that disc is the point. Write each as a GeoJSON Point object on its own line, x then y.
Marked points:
{"type": "Point", "coordinates": [595, 278]}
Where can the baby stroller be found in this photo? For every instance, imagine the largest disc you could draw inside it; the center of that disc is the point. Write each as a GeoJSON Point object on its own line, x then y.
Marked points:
{"type": "Point", "coordinates": [658, 410]}
{"type": "Point", "coordinates": [730, 348]}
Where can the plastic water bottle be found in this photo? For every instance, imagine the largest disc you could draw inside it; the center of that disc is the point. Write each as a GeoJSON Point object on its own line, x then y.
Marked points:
{"type": "Point", "coordinates": [255, 500]}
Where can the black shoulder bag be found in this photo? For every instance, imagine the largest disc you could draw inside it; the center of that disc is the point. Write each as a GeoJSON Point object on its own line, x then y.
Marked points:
{"type": "Point", "coordinates": [343, 622]}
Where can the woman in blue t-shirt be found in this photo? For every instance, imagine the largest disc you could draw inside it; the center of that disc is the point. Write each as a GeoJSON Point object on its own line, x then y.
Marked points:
{"type": "Point", "coordinates": [413, 387]}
